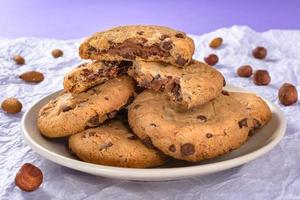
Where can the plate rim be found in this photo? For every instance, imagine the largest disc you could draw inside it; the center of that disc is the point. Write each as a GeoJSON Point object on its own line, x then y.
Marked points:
{"type": "Point", "coordinates": [155, 174]}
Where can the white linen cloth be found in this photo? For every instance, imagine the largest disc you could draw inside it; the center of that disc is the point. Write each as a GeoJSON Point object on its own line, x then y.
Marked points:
{"type": "Point", "coordinates": [275, 175]}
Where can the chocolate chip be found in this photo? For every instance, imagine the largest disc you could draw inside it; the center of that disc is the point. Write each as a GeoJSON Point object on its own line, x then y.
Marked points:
{"type": "Point", "coordinates": [172, 148]}
{"type": "Point", "coordinates": [179, 35]}
{"type": "Point", "coordinates": [181, 61]}
{"type": "Point", "coordinates": [224, 92]}
{"type": "Point", "coordinates": [132, 137]}
{"type": "Point", "coordinates": [136, 106]}
{"type": "Point", "coordinates": [105, 146]}
{"type": "Point", "coordinates": [202, 118]}
{"type": "Point", "coordinates": [112, 115]}
{"type": "Point", "coordinates": [147, 142]}
{"type": "Point", "coordinates": [106, 98]}
{"type": "Point", "coordinates": [187, 149]}
{"type": "Point", "coordinates": [92, 49]}
{"type": "Point", "coordinates": [93, 122]}
{"type": "Point", "coordinates": [65, 108]}
{"type": "Point", "coordinates": [167, 45]}
{"type": "Point", "coordinates": [157, 76]}
{"type": "Point", "coordinates": [224, 82]}
{"type": "Point", "coordinates": [144, 40]}
{"type": "Point", "coordinates": [257, 124]}
{"type": "Point", "coordinates": [153, 125]}
{"type": "Point", "coordinates": [250, 133]}
{"type": "Point", "coordinates": [86, 72]}
{"type": "Point", "coordinates": [243, 122]}
{"type": "Point", "coordinates": [140, 32]}
{"type": "Point", "coordinates": [164, 36]}
{"type": "Point", "coordinates": [209, 135]}
{"type": "Point", "coordinates": [176, 90]}
{"type": "Point", "coordinates": [92, 134]}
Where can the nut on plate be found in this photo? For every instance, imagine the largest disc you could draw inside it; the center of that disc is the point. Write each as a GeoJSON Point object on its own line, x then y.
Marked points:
{"type": "Point", "coordinates": [288, 94]}
{"type": "Point", "coordinates": [29, 178]}
{"type": "Point", "coordinates": [259, 52]}
{"type": "Point", "coordinates": [244, 71]}
{"type": "Point", "coordinates": [261, 77]}
{"type": "Point", "coordinates": [57, 53]}
{"type": "Point", "coordinates": [11, 105]}
{"type": "Point", "coordinates": [216, 42]}
{"type": "Point", "coordinates": [211, 59]}
{"type": "Point", "coordinates": [19, 60]}
{"type": "Point", "coordinates": [32, 76]}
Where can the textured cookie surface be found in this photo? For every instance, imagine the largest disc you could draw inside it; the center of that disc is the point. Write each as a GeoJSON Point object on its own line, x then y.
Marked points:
{"type": "Point", "coordinates": [90, 74]}
{"type": "Point", "coordinates": [256, 107]}
{"type": "Point", "coordinates": [149, 43]}
{"type": "Point", "coordinates": [203, 132]}
{"type": "Point", "coordinates": [190, 86]}
{"type": "Point", "coordinates": [71, 113]}
{"type": "Point", "coordinates": [113, 144]}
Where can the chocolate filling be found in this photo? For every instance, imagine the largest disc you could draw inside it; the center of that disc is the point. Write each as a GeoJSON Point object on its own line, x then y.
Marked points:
{"type": "Point", "coordinates": [176, 90]}
{"type": "Point", "coordinates": [130, 49]}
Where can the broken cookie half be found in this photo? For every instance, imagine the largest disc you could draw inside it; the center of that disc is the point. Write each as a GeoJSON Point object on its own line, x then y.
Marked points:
{"type": "Point", "coordinates": [190, 86]}
{"type": "Point", "coordinates": [148, 43]}
{"type": "Point", "coordinates": [90, 74]}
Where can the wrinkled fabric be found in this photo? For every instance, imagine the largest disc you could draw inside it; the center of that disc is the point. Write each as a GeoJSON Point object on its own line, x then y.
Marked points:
{"type": "Point", "coordinates": [275, 175]}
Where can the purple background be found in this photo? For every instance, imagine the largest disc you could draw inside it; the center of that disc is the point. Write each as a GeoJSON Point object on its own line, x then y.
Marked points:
{"type": "Point", "coordinates": [64, 19]}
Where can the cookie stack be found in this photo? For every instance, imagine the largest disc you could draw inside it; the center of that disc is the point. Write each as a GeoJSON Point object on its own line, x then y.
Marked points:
{"type": "Point", "coordinates": [182, 112]}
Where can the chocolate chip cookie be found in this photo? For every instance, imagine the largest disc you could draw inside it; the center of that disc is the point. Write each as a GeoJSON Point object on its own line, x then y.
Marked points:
{"type": "Point", "coordinates": [203, 132]}
{"type": "Point", "coordinates": [115, 145]}
{"type": "Point", "coordinates": [190, 86]}
{"type": "Point", "coordinates": [71, 113]}
{"type": "Point", "coordinates": [149, 43]}
{"type": "Point", "coordinates": [258, 109]}
{"type": "Point", "coordinates": [90, 74]}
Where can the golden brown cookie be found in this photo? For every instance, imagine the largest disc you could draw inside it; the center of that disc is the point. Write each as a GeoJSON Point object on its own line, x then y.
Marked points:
{"type": "Point", "coordinates": [203, 132]}
{"type": "Point", "coordinates": [258, 109]}
{"type": "Point", "coordinates": [149, 43]}
{"type": "Point", "coordinates": [190, 86]}
{"type": "Point", "coordinates": [90, 74]}
{"type": "Point", "coordinates": [115, 145]}
{"type": "Point", "coordinates": [71, 113]}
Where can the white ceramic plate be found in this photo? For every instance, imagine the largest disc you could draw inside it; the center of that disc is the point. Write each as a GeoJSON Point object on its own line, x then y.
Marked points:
{"type": "Point", "coordinates": [56, 150]}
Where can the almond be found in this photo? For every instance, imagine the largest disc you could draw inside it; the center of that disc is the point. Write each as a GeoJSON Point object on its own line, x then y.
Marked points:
{"type": "Point", "coordinates": [19, 60]}
{"type": "Point", "coordinates": [11, 105]}
{"type": "Point", "coordinates": [216, 43]}
{"type": "Point", "coordinates": [32, 76]}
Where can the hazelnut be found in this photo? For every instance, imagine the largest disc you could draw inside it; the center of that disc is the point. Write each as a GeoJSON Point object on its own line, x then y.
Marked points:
{"type": "Point", "coordinates": [19, 60]}
{"type": "Point", "coordinates": [287, 94]}
{"type": "Point", "coordinates": [11, 105]}
{"type": "Point", "coordinates": [261, 77]}
{"type": "Point", "coordinates": [29, 178]}
{"type": "Point", "coordinates": [244, 71]}
{"type": "Point", "coordinates": [211, 59]}
{"type": "Point", "coordinates": [57, 53]}
{"type": "Point", "coordinates": [259, 52]}
{"type": "Point", "coordinates": [215, 43]}
{"type": "Point", "coordinates": [32, 76]}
